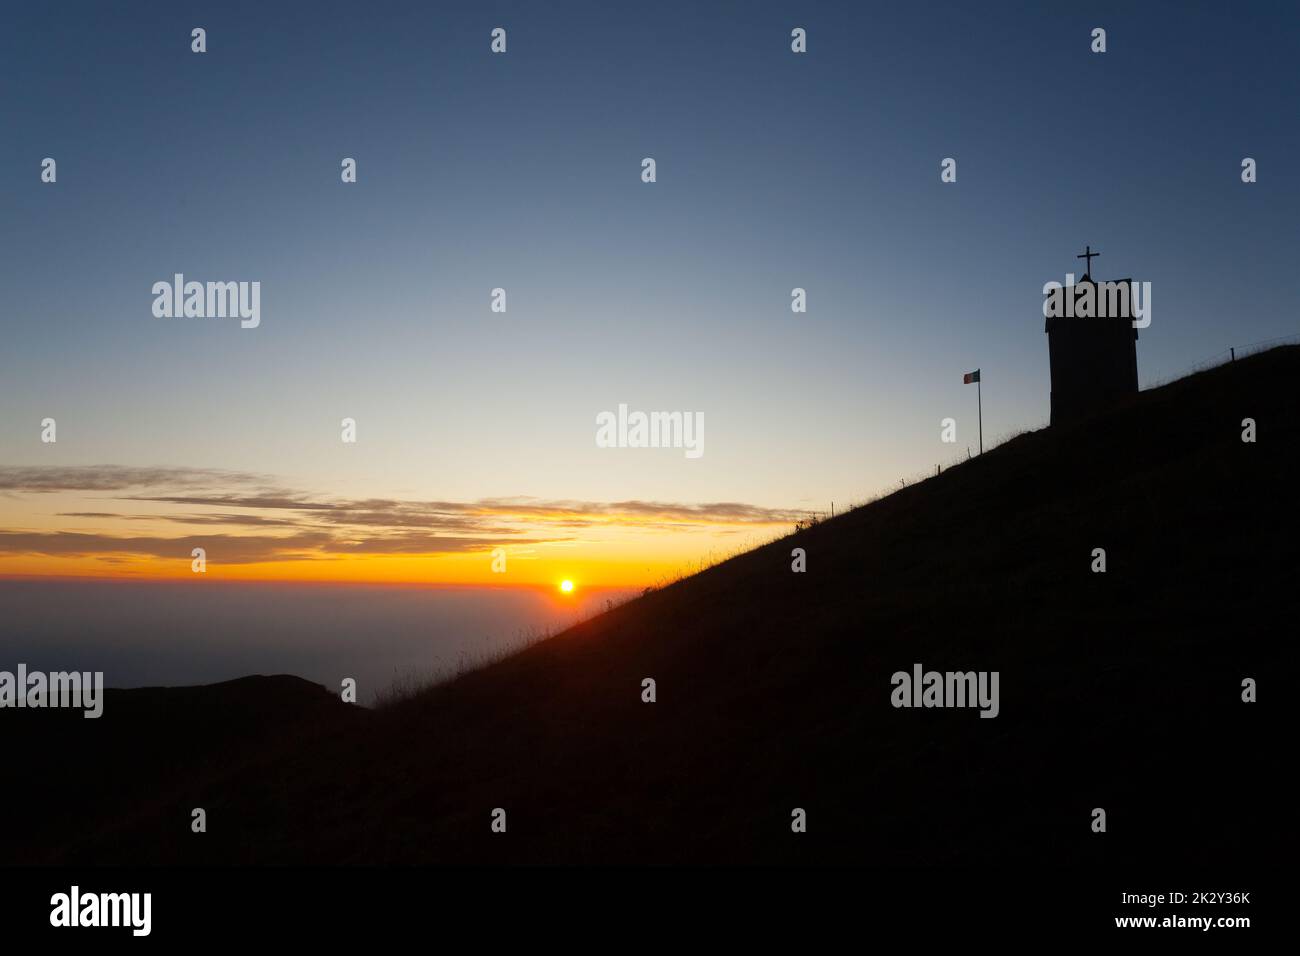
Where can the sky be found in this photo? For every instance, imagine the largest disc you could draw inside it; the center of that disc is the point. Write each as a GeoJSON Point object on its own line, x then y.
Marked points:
{"type": "Point", "coordinates": [475, 430]}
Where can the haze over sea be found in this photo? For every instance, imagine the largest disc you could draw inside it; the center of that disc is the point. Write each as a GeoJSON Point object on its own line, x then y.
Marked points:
{"type": "Point", "coordinates": [149, 633]}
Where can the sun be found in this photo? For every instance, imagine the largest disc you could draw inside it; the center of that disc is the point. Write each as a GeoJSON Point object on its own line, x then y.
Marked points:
{"type": "Point", "coordinates": [566, 586]}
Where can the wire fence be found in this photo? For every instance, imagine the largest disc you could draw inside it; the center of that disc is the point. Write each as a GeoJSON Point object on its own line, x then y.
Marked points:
{"type": "Point", "coordinates": [1224, 357]}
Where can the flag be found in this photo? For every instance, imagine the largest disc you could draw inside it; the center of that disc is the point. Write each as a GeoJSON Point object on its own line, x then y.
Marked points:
{"type": "Point", "coordinates": [970, 377]}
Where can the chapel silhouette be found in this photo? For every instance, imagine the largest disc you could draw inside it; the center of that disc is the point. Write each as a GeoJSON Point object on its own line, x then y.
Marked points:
{"type": "Point", "coordinates": [1093, 358]}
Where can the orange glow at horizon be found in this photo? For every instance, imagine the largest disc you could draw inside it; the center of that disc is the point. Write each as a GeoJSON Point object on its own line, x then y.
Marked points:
{"type": "Point", "coordinates": [554, 547]}
{"type": "Point", "coordinates": [652, 561]}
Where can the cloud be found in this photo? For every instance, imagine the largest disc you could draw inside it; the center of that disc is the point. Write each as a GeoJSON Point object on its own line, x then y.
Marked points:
{"type": "Point", "coordinates": [728, 512]}
{"type": "Point", "coordinates": [474, 514]}
{"type": "Point", "coordinates": [425, 544]}
{"type": "Point", "coordinates": [240, 549]}
{"type": "Point", "coordinates": [230, 549]}
{"type": "Point", "coordinates": [41, 479]}
{"type": "Point", "coordinates": [191, 519]}
{"type": "Point", "coordinates": [318, 528]}
{"type": "Point", "coordinates": [256, 521]}
{"type": "Point", "coordinates": [275, 501]}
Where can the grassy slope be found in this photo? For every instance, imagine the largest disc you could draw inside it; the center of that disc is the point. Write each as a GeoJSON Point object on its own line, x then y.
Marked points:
{"type": "Point", "coordinates": [1118, 690]}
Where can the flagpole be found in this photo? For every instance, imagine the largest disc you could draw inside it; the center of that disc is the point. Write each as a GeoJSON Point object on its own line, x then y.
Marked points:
{"type": "Point", "coordinates": [979, 397]}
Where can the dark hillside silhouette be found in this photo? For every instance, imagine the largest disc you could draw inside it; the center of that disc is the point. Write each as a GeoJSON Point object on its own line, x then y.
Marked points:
{"type": "Point", "coordinates": [1119, 690]}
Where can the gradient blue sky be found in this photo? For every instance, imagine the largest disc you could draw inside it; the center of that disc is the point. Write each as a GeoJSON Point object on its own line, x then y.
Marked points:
{"type": "Point", "coordinates": [522, 171]}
